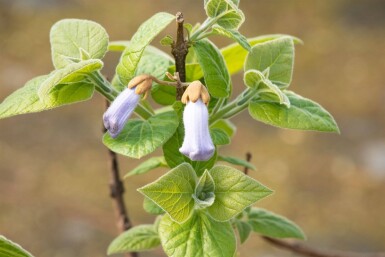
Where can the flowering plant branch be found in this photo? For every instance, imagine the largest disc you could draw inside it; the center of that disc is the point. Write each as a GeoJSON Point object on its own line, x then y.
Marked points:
{"type": "Point", "coordinates": [199, 204]}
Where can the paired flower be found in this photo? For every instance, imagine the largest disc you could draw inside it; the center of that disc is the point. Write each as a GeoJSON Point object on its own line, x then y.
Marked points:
{"type": "Point", "coordinates": [197, 143]}
{"type": "Point", "coordinates": [125, 103]}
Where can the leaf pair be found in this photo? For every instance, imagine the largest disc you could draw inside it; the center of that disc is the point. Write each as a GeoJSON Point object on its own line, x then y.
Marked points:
{"type": "Point", "coordinates": [179, 192]}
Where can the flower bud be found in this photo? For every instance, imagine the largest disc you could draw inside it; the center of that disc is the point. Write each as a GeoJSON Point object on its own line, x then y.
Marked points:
{"type": "Point", "coordinates": [196, 90]}
{"type": "Point", "coordinates": [197, 143]}
{"type": "Point", "coordinates": [120, 110]}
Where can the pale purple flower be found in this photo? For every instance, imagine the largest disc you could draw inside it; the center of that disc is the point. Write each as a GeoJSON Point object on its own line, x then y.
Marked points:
{"type": "Point", "coordinates": [197, 144]}
{"type": "Point", "coordinates": [120, 110]}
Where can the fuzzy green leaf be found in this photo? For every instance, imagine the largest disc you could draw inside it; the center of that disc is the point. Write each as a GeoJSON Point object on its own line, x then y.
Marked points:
{"type": "Point", "coordinates": [142, 137]}
{"type": "Point", "coordinates": [200, 236]}
{"type": "Point", "coordinates": [72, 38]}
{"type": "Point", "coordinates": [227, 13]}
{"type": "Point", "coordinates": [277, 56]}
{"type": "Point", "coordinates": [232, 34]}
{"type": "Point", "coordinates": [304, 114]}
{"type": "Point", "coordinates": [204, 191]}
{"type": "Point", "coordinates": [173, 192]}
{"type": "Point", "coordinates": [151, 207]}
{"type": "Point", "coordinates": [131, 55]}
{"type": "Point", "coordinates": [217, 77]}
{"type": "Point", "coordinates": [256, 80]}
{"type": "Point", "coordinates": [244, 230]}
{"type": "Point", "coordinates": [234, 191]}
{"type": "Point", "coordinates": [11, 249]}
{"type": "Point", "coordinates": [226, 126]}
{"type": "Point", "coordinates": [26, 100]}
{"type": "Point", "coordinates": [147, 165]}
{"type": "Point", "coordinates": [236, 161]}
{"type": "Point", "coordinates": [137, 239]}
{"type": "Point", "coordinates": [235, 54]}
{"type": "Point", "coordinates": [270, 224]}
{"type": "Point", "coordinates": [71, 73]}
{"type": "Point", "coordinates": [219, 137]}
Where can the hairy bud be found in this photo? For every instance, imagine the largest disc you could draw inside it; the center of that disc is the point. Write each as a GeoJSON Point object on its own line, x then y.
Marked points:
{"type": "Point", "coordinates": [142, 83]}
{"type": "Point", "coordinates": [196, 90]}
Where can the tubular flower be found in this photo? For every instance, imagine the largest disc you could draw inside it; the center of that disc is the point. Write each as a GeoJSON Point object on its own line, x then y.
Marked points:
{"type": "Point", "coordinates": [197, 143]}
{"type": "Point", "coordinates": [124, 104]}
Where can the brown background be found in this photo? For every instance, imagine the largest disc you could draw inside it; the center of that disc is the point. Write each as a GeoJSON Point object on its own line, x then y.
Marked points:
{"type": "Point", "coordinates": [53, 167]}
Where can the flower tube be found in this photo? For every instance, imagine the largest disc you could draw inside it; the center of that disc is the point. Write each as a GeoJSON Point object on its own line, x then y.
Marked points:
{"type": "Point", "coordinates": [125, 103]}
{"type": "Point", "coordinates": [197, 143]}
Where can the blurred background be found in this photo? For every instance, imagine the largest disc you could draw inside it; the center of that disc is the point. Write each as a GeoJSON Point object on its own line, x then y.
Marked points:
{"type": "Point", "coordinates": [54, 170]}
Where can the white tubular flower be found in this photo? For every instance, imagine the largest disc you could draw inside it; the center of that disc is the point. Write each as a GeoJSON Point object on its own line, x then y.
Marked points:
{"type": "Point", "coordinates": [120, 110]}
{"type": "Point", "coordinates": [125, 103]}
{"type": "Point", "coordinates": [197, 143]}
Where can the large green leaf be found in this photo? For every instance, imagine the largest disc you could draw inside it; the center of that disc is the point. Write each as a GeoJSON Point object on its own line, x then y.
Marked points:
{"type": "Point", "coordinates": [148, 165]}
{"type": "Point", "coordinates": [226, 12]}
{"type": "Point", "coordinates": [72, 38]}
{"type": "Point", "coordinates": [277, 56]}
{"type": "Point", "coordinates": [142, 137]}
{"type": "Point", "coordinates": [131, 55]}
{"type": "Point", "coordinates": [200, 236]}
{"type": "Point", "coordinates": [217, 77]}
{"type": "Point", "coordinates": [234, 191]}
{"type": "Point", "coordinates": [173, 192]}
{"type": "Point", "coordinates": [304, 114]}
{"type": "Point", "coordinates": [26, 100]}
{"type": "Point", "coordinates": [139, 238]}
{"type": "Point", "coordinates": [11, 249]}
{"type": "Point", "coordinates": [71, 73]}
{"type": "Point", "coordinates": [235, 54]}
{"type": "Point", "coordinates": [273, 225]}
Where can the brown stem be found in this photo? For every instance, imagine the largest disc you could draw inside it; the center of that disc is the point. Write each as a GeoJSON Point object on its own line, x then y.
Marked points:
{"type": "Point", "coordinates": [116, 193]}
{"type": "Point", "coordinates": [248, 159]}
{"type": "Point", "coordinates": [310, 252]}
{"type": "Point", "coordinates": [179, 51]}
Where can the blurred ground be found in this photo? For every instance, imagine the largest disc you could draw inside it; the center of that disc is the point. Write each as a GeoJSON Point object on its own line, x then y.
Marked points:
{"type": "Point", "coordinates": [53, 167]}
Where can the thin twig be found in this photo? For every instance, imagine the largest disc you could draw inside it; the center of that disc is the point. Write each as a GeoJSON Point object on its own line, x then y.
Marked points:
{"type": "Point", "coordinates": [248, 159]}
{"type": "Point", "coordinates": [179, 50]}
{"type": "Point", "coordinates": [170, 83]}
{"type": "Point", "coordinates": [311, 252]}
{"type": "Point", "coordinates": [116, 193]}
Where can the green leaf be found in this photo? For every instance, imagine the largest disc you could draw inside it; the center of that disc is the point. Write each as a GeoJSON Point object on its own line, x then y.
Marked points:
{"type": "Point", "coordinates": [204, 191]}
{"type": "Point", "coordinates": [151, 207]}
{"type": "Point", "coordinates": [173, 192]}
{"type": "Point", "coordinates": [11, 249]}
{"type": "Point", "coordinates": [148, 165]}
{"type": "Point", "coordinates": [193, 71]}
{"type": "Point", "coordinates": [133, 52]}
{"type": "Point", "coordinates": [256, 80]}
{"type": "Point", "coordinates": [304, 114]}
{"type": "Point", "coordinates": [219, 137]}
{"type": "Point", "coordinates": [173, 157]}
{"type": "Point", "coordinates": [217, 77]}
{"type": "Point", "coordinates": [137, 239]}
{"type": "Point", "coordinates": [234, 191]}
{"type": "Point", "coordinates": [167, 41]}
{"type": "Point", "coordinates": [232, 34]}
{"type": "Point", "coordinates": [26, 100]}
{"type": "Point", "coordinates": [235, 54]}
{"type": "Point", "coordinates": [226, 12]}
{"type": "Point", "coordinates": [226, 126]}
{"type": "Point", "coordinates": [200, 236]}
{"type": "Point", "coordinates": [277, 56]}
{"type": "Point", "coordinates": [71, 73]}
{"type": "Point", "coordinates": [142, 137]}
{"type": "Point", "coordinates": [244, 230]}
{"type": "Point", "coordinates": [72, 38]}
{"type": "Point", "coordinates": [236, 161]}
{"type": "Point", "coordinates": [272, 225]}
